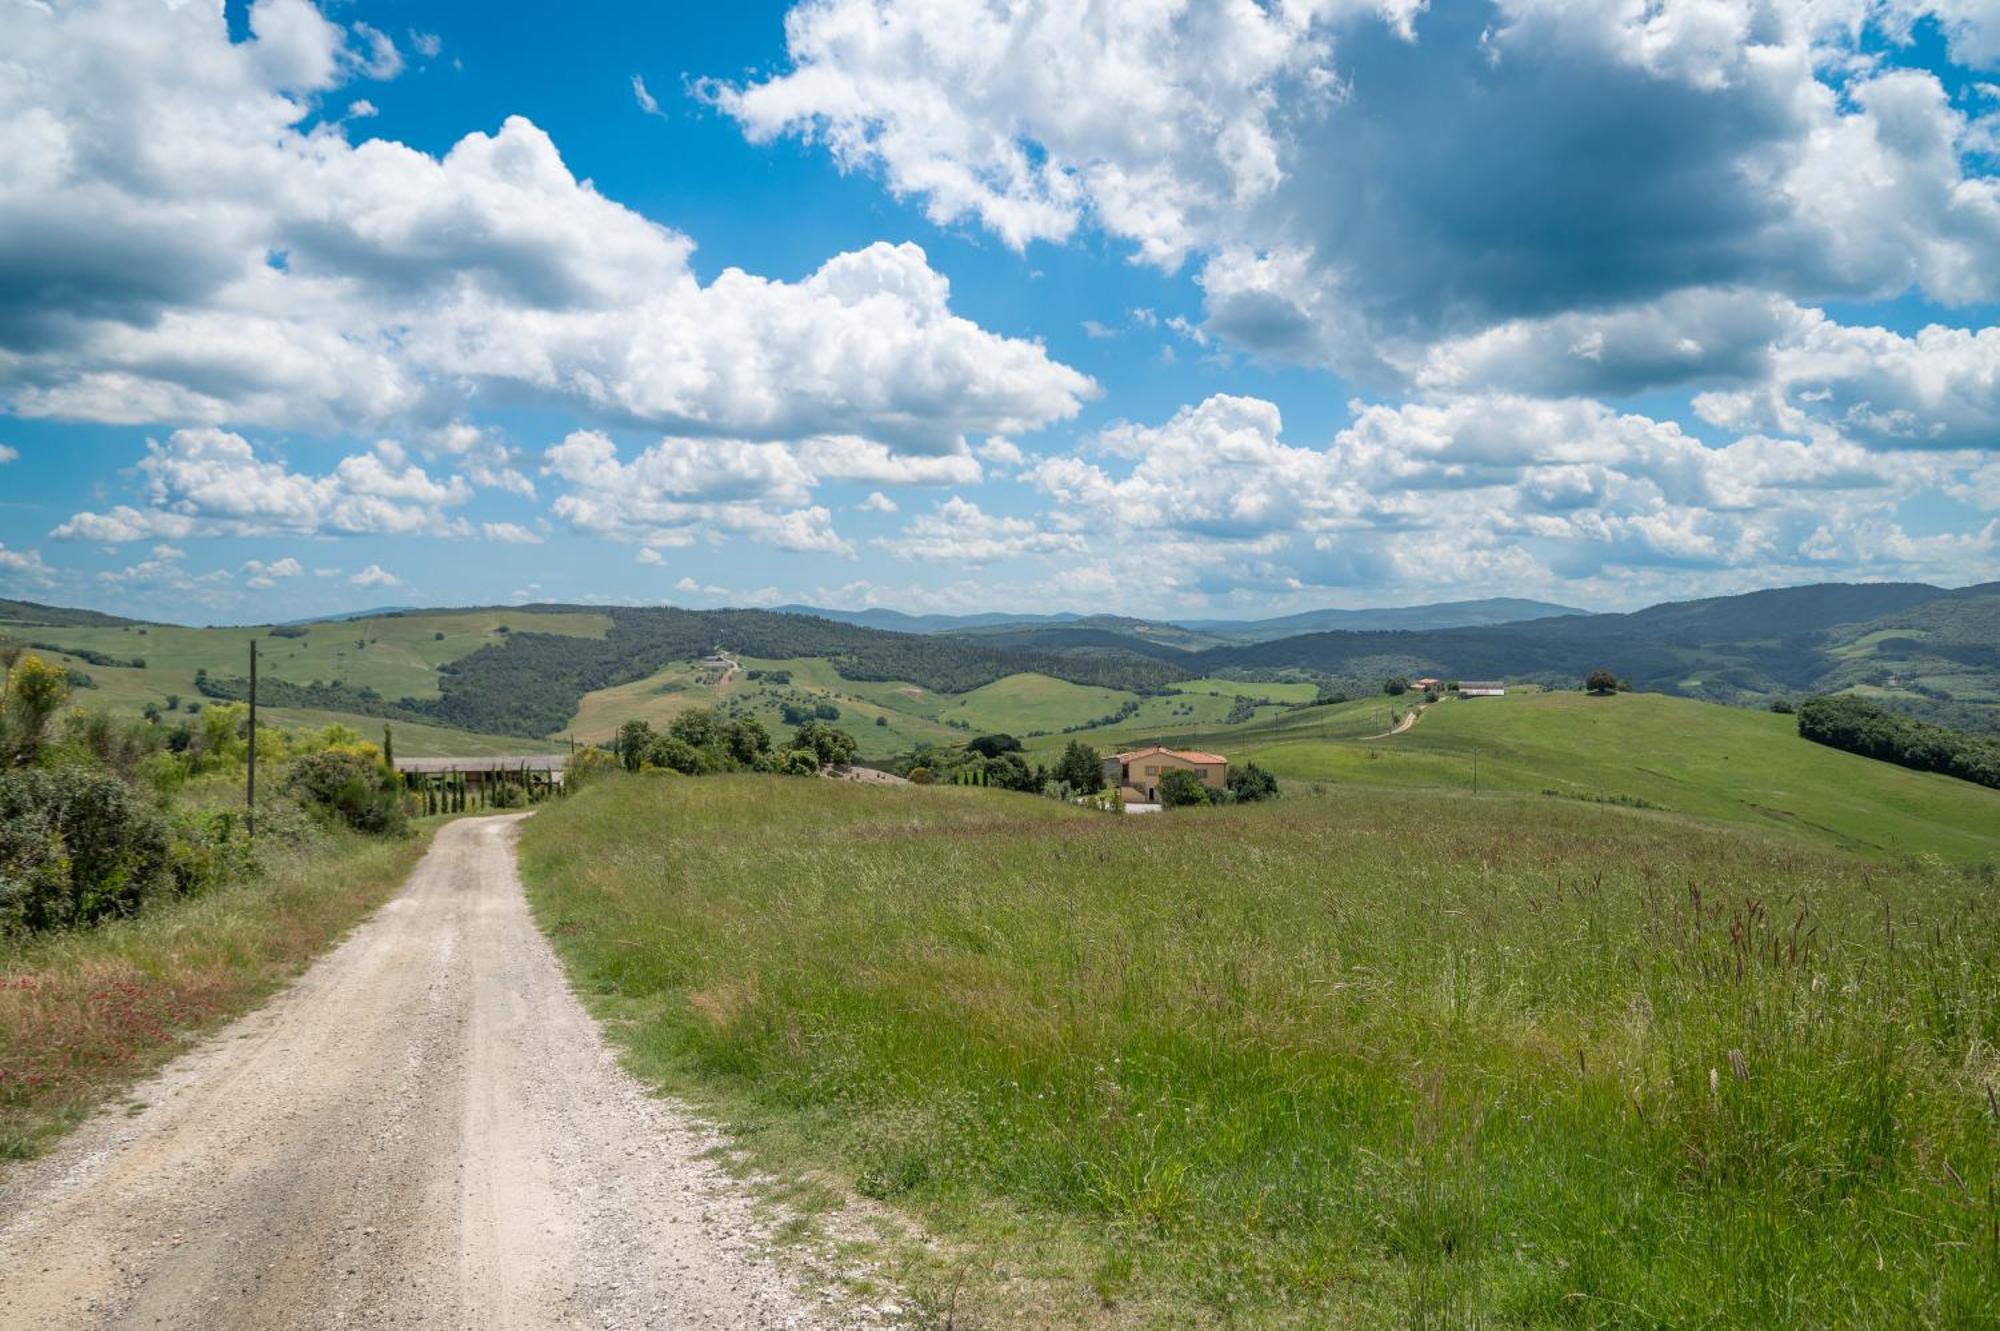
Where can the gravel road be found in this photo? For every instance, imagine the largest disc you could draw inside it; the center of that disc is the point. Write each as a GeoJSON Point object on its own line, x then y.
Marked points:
{"type": "Point", "coordinates": [427, 1130]}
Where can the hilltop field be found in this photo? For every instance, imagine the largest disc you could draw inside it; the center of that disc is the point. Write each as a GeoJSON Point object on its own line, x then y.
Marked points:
{"type": "Point", "coordinates": [1348, 1059]}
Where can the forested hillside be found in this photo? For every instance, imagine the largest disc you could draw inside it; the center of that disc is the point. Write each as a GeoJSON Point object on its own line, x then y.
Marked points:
{"type": "Point", "coordinates": [530, 683]}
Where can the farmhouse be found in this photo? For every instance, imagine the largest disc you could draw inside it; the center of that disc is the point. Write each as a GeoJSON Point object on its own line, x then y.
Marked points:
{"type": "Point", "coordinates": [1482, 688]}
{"type": "Point", "coordinates": [1137, 774]}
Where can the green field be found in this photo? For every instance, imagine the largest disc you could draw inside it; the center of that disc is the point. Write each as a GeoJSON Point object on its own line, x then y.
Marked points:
{"type": "Point", "coordinates": [904, 710]}
{"type": "Point", "coordinates": [396, 655]}
{"type": "Point", "coordinates": [1333, 1061]}
{"type": "Point", "coordinates": [1670, 753]}
{"type": "Point", "coordinates": [1031, 704]}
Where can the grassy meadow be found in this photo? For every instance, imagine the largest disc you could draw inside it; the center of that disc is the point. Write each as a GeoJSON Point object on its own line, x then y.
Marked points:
{"type": "Point", "coordinates": [1335, 1061]}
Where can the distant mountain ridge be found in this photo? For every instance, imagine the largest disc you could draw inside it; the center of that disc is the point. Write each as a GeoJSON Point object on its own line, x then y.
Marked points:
{"type": "Point", "coordinates": [1443, 614]}
{"type": "Point", "coordinates": [1930, 651]}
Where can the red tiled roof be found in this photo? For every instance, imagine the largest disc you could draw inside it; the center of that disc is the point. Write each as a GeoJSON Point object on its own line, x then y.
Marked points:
{"type": "Point", "coordinates": [1189, 755]}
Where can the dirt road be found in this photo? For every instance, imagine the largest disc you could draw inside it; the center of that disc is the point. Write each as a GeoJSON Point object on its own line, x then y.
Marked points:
{"type": "Point", "coordinates": [426, 1131]}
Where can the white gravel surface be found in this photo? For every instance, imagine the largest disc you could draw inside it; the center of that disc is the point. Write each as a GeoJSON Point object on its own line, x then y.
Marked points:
{"type": "Point", "coordinates": [427, 1130]}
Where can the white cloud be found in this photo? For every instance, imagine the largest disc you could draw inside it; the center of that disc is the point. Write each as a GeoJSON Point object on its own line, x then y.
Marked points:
{"type": "Point", "coordinates": [426, 44]}
{"type": "Point", "coordinates": [212, 482]}
{"type": "Point", "coordinates": [293, 279]}
{"type": "Point", "coordinates": [8, 453]}
{"type": "Point", "coordinates": [877, 502]}
{"type": "Point", "coordinates": [959, 531]}
{"type": "Point", "coordinates": [1002, 453]}
{"type": "Point", "coordinates": [646, 100]}
{"type": "Point", "coordinates": [1522, 492]}
{"type": "Point", "coordinates": [260, 575]}
{"type": "Point", "coordinates": [650, 557]}
{"type": "Point", "coordinates": [679, 487]}
{"type": "Point", "coordinates": [509, 533]}
{"type": "Point", "coordinates": [1358, 180]}
{"type": "Point", "coordinates": [375, 576]}
{"type": "Point", "coordinates": [24, 567]}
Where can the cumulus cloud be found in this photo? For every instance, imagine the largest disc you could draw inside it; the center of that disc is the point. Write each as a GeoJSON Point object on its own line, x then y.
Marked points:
{"type": "Point", "coordinates": [649, 556]}
{"type": "Point", "coordinates": [8, 453]}
{"type": "Point", "coordinates": [877, 502]}
{"type": "Point", "coordinates": [509, 533]}
{"type": "Point", "coordinates": [1514, 490]}
{"type": "Point", "coordinates": [1357, 181]}
{"type": "Point", "coordinates": [375, 576]}
{"type": "Point", "coordinates": [185, 243]}
{"type": "Point", "coordinates": [258, 574]}
{"type": "Point", "coordinates": [206, 481]}
{"type": "Point", "coordinates": [681, 487]}
{"type": "Point", "coordinates": [24, 568]}
{"type": "Point", "coordinates": [959, 531]}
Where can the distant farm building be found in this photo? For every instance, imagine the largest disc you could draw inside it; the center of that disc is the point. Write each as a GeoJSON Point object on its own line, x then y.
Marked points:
{"type": "Point", "coordinates": [1481, 688]}
{"type": "Point", "coordinates": [1137, 774]}
{"type": "Point", "coordinates": [1428, 683]}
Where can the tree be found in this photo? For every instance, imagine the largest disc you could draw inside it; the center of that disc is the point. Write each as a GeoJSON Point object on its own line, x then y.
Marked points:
{"type": "Point", "coordinates": [1396, 684]}
{"type": "Point", "coordinates": [633, 737]}
{"type": "Point", "coordinates": [695, 727]}
{"type": "Point", "coordinates": [675, 754]}
{"type": "Point", "coordinates": [834, 747]}
{"type": "Point", "coordinates": [801, 762]}
{"type": "Point", "coordinates": [1081, 768]}
{"type": "Point", "coordinates": [1180, 787]}
{"type": "Point", "coordinates": [1251, 782]}
{"type": "Point", "coordinates": [1601, 682]}
{"type": "Point", "coordinates": [388, 747]}
{"type": "Point", "coordinates": [992, 746]}
{"type": "Point", "coordinates": [744, 738]}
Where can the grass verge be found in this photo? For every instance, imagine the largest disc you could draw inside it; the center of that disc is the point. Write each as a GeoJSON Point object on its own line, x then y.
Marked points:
{"type": "Point", "coordinates": [1508, 1061]}
{"type": "Point", "coordinates": [84, 1014]}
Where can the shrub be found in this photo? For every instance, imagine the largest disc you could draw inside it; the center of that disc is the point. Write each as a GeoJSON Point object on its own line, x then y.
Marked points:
{"type": "Point", "coordinates": [77, 845]}
{"type": "Point", "coordinates": [1782, 706]}
{"type": "Point", "coordinates": [800, 762]}
{"type": "Point", "coordinates": [1251, 782]}
{"type": "Point", "coordinates": [1601, 682]}
{"type": "Point", "coordinates": [350, 784]}
{"type": "Point", "coordinates": [675, 755]}
{"type": "Point", "coordinates": [1395, 685]}
{"type": "Point", "coordinates": [587, 765]}
{"type": "Point", "coordinates": [921, 776]}
{"type": "Point", "coordinates": [1180, 787]}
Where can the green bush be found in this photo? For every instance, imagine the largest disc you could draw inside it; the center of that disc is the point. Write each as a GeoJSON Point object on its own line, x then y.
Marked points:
{"type": "Point", "coordinates": [77, 845]}
{"type": "Point", "coordinates": [1180, 787]}
{"type": "Point", "coordinates": [505, 795]}
{"type": "Point", "coordinates": [1251, 782]}
{"type": "Point", "coordinates": [352, 786]}
{"type": "Point", "coordinates": [801, 762]}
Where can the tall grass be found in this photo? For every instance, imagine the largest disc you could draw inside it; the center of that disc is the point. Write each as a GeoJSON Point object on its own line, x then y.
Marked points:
{"type": "Point", "coordinates": [1504, 1062]}
{"type": "Point", "coordinates": [85, 1012]}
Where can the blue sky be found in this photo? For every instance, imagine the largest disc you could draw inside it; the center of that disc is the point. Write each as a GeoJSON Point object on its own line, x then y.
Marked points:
{"type": "Point", "coordinates": [1193, 309]}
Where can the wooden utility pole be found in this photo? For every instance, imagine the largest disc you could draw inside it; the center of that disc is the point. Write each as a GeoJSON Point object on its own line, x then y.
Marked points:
{"type": "Point", "coordinates": [250, 796]}
{"type": "Point", "coordinates": [1475, 769]}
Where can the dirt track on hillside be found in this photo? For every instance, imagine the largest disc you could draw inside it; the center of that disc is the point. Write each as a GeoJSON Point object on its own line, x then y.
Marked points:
{"type": "Point", "coordinates": [426, 1131]}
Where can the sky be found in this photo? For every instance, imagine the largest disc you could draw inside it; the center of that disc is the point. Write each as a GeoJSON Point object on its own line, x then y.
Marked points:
{"type": "Point", "coordinates": [1197, 308]}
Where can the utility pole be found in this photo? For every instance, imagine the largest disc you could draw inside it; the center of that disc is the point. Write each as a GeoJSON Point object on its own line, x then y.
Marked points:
{"type": "Point", "coordinates": [1475, 769]}
{"type": "Point", "coordinates": [250, 796]}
